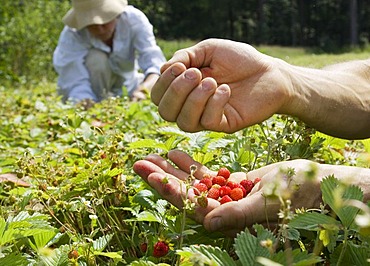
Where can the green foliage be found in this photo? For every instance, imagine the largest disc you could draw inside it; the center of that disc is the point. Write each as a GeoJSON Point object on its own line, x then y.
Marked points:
{"type": "Point", "coordinates": [29, 33]}
{"type": "Point", "coordinates": [85, 206]}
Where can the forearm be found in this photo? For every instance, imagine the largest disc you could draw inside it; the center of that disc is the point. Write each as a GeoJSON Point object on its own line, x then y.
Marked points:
{"type": "Point", "coordinates": [149, 81]}
{"type": "Point", "coordinates": [334, 100]}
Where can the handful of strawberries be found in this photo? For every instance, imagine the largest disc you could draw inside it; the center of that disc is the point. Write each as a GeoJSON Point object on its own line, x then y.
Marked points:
{"type": "Point", "coordinates": [220, 188]}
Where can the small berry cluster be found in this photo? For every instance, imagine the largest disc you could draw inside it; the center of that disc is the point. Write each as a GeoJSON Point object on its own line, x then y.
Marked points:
{"type": "Point", "coordinates": [220, 188]}
{"type": "Point", "coordinates": [160, 248]}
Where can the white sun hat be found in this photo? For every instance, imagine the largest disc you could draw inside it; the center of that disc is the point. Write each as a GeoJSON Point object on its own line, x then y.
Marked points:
{"type": "Point", "coordinates": [89, 12]}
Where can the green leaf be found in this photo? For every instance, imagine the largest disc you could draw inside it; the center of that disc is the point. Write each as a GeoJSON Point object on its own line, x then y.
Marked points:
{"type": "Point", "coordinates": [59, 257]}
{"type": "Point", "coordinates": [311, 221]}
{"type": "Point", "coordinates": [147, 143]}
{"type": "Point", "coordinates": [43, 237]}
{"type": "Point", "coordinates": [206, 255]}
{"type": "Point", "coordinates": [248, 247]}
{"type": "Point", "coordinates": [334, 193]}
{"type": "Point", "coordinates": [145, 216]}
{"type": "Point", "coordinates": [353, 255]}
{"type": "Point", "coordinates": [298, 257]}
{"type": "Point", "coordinates": [112, 255]}
{"type": "Point", "coordinates": [100, 243]}
{"type": "Point", "coordinates": [14, 259]}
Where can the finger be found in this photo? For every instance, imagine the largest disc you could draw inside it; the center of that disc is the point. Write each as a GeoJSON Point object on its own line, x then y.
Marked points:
{"type": "Point", "coordinates": [213, 117]}
{"type": "Point", "coordinates": [144, 168]}
{"type": "Point", "coordinates": [192, 110]}
{"type": "Point", "coordinates": [184, 161]}
{"type": "Point", "coordinates": [174, 97]}
{"type": "Point", "coordinates": [165, 80]}
{"type": "Point", "coordinates": [175, 191]}
{"type": "Point", "coordinates": [166, 167]}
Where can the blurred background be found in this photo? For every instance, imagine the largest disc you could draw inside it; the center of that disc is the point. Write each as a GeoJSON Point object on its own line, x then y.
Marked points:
{"type": "Point", "coordinates": [29, 30]}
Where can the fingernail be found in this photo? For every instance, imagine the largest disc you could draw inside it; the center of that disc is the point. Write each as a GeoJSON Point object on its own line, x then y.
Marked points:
{"type": "Point", "coordinates": [190, 74]}
{"type": "Point", "coordinates": [175, 71]}
{"type": "Point", "coordinates": [216, 223]}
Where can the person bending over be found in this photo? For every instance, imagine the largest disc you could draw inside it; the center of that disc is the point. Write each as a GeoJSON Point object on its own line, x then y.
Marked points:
{"type": "Point", "coordinates": [105, 45]}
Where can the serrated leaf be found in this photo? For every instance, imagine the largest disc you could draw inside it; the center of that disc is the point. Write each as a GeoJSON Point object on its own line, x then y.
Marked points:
{"type": "Point", "coordinates": [330, 187]}
{"type": "Point", "coordinates": [353, 255]}
{"type": "Point", "coordinates": [100, 243]}
{"type": "Point", "coordinates": [13, 259]}
{"type": "Point", "coordinates": [248, 247]}
{"type": "Point", "coordinates": [298, 257]}
{"type": "Point", "coordinates": [311, 221]}
{"type": "Point", "coordinates": [206, 255]}
{"type": "Point", "coordinates": [144, 198]}
{"type": "Point", "coordinates": [42, 237]}
{"type": "Point", "coordinates": [145, 216]}
{"type": "Point", "coordinates": [58, 258]}
{"type": "Point", "coordinates": [147, 143]}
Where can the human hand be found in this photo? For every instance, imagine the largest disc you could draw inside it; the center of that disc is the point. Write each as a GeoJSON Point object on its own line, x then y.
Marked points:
{"type": "Point", "coordinates": [232, 217]}
{"type": "Point", "coordinates": [219, 85]}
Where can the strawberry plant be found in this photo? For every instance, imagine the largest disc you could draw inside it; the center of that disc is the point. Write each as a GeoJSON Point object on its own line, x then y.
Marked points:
{"type": "Point", "coordinates": [69, 195]}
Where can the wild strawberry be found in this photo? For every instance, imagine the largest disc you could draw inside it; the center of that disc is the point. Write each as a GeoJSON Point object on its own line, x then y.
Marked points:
{"type": "Point", "coordinates": [202, 201]}
{"type": "Point", "coordinates": [73, 254]}
{"type": "Point", "coordinates": [231, 184]}
{"type": "Point", "coordinates": [207, 181]}
{"type": "Point", "coordinates": [225, 199]}
{"type": "Point", "coordinates": [224, 172]}
{"type": "Point", "coordinates": [213, 192]}
{"type": "Point", "coordinates": [224, 190]}
{"type": "Point", "coordinates": [144, 247]}
{"type": "Point", "coordinates": [256, 180]}
{"type": "Point", "coordinates": [247, 184]}
{"type": "Point", "coordinates": [199, 188]}
{"type": "Point", "coordinates": [219, 180]}
{"type": "Point", "coordinates": [160, 249]}
{"type": "Point", "coordinates": [243, 189]}
{"type": "Point", "coordinates": [236, 193]}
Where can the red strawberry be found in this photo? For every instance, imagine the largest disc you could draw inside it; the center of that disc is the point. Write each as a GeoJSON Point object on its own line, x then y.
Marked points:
{"type": "Point", "coordinates": [207, 181]}
{"type": "Point", "coordinates": [225, 199]}
{"type": "Point", "coordinates": [256, 180]}
{"type": "Point", "coordinates": [247, 184]}
{"type": "Point", "coordinates": [160, 249]}
{"type": "Point", "coordinates": [224, 190]}
{"type": "Point", "coordinates": [213, 192]}
{"type": "Point", "coordinates": [231, 184]}
{"type": "Point", "coordinates": [243, 189]}
{"type": "Point", "coordinates": [219, 180]}
{"type": "Point", "coordinates": [236, 193]}
{"type": "Point", "coordinates": [199, 188]}
{"type": "Point", "coordinates": [224, 172]}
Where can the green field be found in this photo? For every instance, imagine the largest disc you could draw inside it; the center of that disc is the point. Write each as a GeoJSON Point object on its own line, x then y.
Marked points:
{"type": "Point", "coordinates": [80, 203]}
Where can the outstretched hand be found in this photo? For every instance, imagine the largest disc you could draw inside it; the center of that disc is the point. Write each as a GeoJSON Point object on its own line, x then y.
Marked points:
{"type": "Point", "coordinates": [219, 85]}
{"type": "Point", "coordinates": [232, 217]}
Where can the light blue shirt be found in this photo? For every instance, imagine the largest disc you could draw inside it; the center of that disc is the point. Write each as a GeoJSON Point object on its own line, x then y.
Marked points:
{"type": "Point", "coordinates": [134, 48]}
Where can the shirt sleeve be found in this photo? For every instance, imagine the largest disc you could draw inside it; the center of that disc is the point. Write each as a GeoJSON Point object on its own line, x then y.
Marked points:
{"type": "Point", "coordinates": [150, 55]}
{"type": "Point", "coordinates": [68, 59]}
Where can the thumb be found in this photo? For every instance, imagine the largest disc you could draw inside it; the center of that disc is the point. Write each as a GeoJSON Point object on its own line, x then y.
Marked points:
{"type": "Point", "coordinates": [233, 217]}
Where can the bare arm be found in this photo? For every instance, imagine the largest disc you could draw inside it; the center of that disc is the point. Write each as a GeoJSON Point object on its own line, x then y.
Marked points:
{"type": "Point", "coordinates": [222, 85]}
{"type": "Point", "coordinates": [334, 100]}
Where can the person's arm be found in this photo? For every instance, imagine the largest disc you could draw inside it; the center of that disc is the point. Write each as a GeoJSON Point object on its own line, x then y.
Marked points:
{"type": "Point", "coordinates": [222, 85]}
{"type": "Point", "coordinates": [68, 59]}
{"type": "Point", "coordinates": [150, 55]}
{"type": "Point", "coordinates": [334, 100]}
{"type": "Point", "coordinates": [233, 217]}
